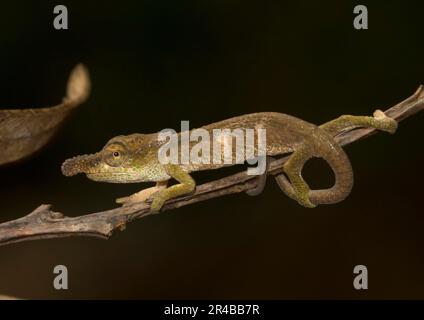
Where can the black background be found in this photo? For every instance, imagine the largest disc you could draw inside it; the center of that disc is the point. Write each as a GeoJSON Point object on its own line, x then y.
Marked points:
{"type": "Point", "coordinates": [155, 63]}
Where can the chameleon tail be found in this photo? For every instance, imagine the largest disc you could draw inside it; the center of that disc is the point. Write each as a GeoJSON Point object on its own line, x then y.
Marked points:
{"type": "Point", "coordinates": [337, 158]}
{"type": "Point", "coordinates": [296, 188]}
{"type": "Point", "coordinates": [340, 164]}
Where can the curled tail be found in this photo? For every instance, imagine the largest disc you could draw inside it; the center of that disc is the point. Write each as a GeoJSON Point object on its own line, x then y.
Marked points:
{"type": "Point", "coordinates": [322, 146]}
{"type": "Point", "coordinates": [337, 158]}
{"type": "Point", "coordinates": [340, 164]}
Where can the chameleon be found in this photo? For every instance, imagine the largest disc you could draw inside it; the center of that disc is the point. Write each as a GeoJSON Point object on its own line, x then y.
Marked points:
{"type": "Point", "coordinates": [134, 158]}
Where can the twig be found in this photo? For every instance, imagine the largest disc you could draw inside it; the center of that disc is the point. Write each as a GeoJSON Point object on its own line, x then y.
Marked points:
{"type": "Point", "coordinates": [44, 223]}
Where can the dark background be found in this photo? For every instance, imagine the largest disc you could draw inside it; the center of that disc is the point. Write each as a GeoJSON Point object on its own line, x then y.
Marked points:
{"type": "Point", "coordinates": [155, 63]}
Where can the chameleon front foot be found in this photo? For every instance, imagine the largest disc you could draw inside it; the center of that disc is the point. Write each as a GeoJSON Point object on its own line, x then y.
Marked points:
{"type": "Point", "coordinates": [158, 201]}
{"type": "Point", "coordinates": [186, 185]}
{"type": "Point", "coordinates": [141, 196]}
{"type": "Point", "coordinates": [138, 197]}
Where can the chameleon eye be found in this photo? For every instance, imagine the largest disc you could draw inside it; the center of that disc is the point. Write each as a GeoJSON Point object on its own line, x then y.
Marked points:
{"type": "Point", "coordinates": [114, 154]}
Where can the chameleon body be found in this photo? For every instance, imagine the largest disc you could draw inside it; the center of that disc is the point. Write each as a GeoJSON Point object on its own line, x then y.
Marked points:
{"type": "Point", "coordinates": [134, 158]}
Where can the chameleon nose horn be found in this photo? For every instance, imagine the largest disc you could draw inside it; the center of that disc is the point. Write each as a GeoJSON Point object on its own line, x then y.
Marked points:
{"type": "Point", "coordinates": [78, 164]}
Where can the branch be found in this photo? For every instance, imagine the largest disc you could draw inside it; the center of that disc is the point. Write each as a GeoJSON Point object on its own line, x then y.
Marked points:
{"type": "Point", "coordinates": [44, 223]}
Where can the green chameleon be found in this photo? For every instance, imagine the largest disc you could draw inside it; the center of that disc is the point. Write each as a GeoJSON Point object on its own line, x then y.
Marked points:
{"type": "Point", "coordinates": [134, 158]}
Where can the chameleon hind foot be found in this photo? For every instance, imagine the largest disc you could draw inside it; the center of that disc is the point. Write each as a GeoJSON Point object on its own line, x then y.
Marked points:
{"type": "Point", "coordinates": [295, 187]}
{"type": "Point", "coordinates": [142, 195]}
{"type": "Point", "coordinates": [300, 195]}
{"type": "Point", "coordinates": [385, 123]}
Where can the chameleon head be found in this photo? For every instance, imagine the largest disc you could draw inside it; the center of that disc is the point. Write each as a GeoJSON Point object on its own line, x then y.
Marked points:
{"type": "Point", "coordinates": [118, 162]}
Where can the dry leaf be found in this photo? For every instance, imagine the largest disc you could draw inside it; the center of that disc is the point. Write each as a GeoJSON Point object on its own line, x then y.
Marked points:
{"type": "Point", "coordinates": [25, 131]}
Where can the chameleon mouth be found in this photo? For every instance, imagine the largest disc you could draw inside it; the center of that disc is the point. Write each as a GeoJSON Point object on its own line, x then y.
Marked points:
{"type": "Point", "coordinates": [111, 177]}
{"type": "Point", "coordinates": [80, 164]}
{"type": "Point", "coordinates": [96, 176]}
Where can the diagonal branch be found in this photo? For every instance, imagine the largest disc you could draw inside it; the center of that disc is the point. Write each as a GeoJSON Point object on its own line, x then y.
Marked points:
{"type": "Point", "coordinates": [44, 223]}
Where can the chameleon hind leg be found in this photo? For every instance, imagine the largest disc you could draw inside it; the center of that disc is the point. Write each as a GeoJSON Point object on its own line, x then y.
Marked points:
{"type": "Point", "coordinates": [295, 186]}
{"type": "Point", "coordinates": [379, 121]}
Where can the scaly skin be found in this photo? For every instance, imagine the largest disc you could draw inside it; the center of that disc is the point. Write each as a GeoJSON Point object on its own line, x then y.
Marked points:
{"type": "Point", "coordinates": [134, 158]}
